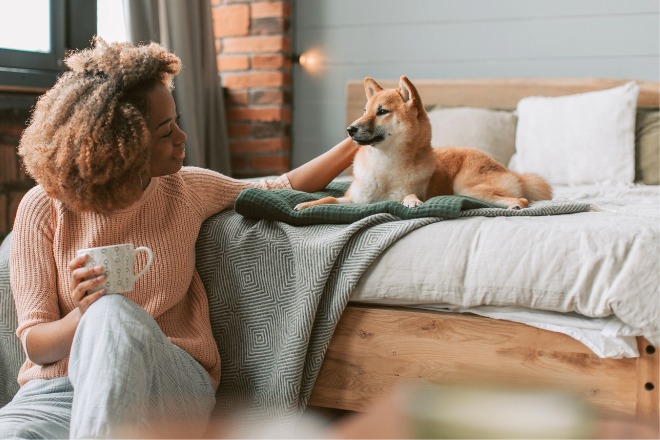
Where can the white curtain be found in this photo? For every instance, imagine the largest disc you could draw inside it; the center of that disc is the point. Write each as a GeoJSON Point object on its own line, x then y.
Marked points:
{"type": "Point", "coordinates": [186, 28]}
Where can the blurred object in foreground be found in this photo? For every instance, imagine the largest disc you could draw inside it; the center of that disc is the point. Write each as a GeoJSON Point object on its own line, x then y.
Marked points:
{"type": "Point", "coordinates": [433, 411]}
{"type": "Point", "coordinates": [462, 412]}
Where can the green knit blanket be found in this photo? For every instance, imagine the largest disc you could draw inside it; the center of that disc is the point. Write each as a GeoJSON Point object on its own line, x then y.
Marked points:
{"type": "Point", "coordinates": [255, 203]}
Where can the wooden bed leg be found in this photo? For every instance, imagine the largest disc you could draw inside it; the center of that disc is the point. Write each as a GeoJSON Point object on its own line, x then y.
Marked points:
{"type": "Point", "coordinates": [648, 381]}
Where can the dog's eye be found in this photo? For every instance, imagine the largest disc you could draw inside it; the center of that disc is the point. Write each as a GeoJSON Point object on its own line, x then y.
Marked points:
{"type": "Point", "coordinates": [381, 112]}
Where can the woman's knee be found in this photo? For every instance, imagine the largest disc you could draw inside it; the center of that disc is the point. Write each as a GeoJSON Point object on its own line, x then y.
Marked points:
{"type": "Point", "coordinates": [115, 317]}
{"type": "Point", "coordinates": [109, 306]}
{"type": "Point", "coordinates": [113, 310]}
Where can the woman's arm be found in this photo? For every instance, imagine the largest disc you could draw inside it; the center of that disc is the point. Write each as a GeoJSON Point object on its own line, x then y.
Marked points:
{"type": "Point", "coordinates": [318, 172]}
{"type": "Point", "coordinates": [212, 192]}
{"type": "Point", "coordinates": [45, 333]}
{"type": "Point", "coordinates": [51, 341]}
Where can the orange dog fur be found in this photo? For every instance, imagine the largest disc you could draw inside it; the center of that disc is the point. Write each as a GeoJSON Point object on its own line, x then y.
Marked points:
{"type": "Point", "coordinates": [397, 162]}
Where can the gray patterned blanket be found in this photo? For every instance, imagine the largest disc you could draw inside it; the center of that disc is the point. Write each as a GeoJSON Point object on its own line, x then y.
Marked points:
{"type": "Point", "coordinates": [276, 293]}
{"type": "Point", "coordinates": [11, 352]}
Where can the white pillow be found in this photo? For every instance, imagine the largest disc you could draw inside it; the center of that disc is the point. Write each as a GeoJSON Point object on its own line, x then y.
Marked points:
{"type": "Point", "coordinates": [491, 131]}
{"type": "Point", "coordinates": [587, 138]}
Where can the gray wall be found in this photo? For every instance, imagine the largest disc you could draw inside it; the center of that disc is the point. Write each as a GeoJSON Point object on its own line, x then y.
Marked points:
{"type": "Point", "coordinates": [426, 39]}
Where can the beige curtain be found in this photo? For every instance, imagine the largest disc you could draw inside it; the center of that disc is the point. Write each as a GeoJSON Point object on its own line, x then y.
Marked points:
{"type": "Point", "coordinates": [186, 28]}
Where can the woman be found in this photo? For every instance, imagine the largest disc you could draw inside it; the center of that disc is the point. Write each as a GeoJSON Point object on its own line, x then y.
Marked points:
{"type": "Point", "coordinates": [106, 151]}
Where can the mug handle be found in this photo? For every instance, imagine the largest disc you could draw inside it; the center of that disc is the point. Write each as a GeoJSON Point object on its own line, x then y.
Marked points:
{"type": "Point", "coordinates": [151, 260]}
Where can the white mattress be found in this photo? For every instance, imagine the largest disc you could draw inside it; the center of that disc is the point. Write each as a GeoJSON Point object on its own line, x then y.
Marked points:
{"type": "Point", "coordinates": [594, 276]}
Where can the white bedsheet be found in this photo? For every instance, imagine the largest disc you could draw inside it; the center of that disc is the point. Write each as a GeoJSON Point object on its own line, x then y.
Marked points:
{"type": "Point", "coordinates": [596, 274]}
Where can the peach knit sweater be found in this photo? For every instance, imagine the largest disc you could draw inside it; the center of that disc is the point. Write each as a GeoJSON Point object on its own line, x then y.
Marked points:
{"type": "Point", "coordinates": [167, 218]}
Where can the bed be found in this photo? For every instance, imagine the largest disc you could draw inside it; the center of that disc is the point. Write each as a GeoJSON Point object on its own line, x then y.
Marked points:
{"type": "Point", "coordinates": [398, 328]}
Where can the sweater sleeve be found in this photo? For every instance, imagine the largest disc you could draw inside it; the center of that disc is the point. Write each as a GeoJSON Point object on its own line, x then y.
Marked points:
{"type": "Point", "coordinates": [33, 273]}
{"type": "Point", "coordinates": [215, 192]}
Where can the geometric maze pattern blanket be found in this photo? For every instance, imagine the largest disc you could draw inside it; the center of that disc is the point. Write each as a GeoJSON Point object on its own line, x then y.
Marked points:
{"type": "Point", "coordinates": [11, 352]}
{"type": "Point", "coordinates": [276, 293]}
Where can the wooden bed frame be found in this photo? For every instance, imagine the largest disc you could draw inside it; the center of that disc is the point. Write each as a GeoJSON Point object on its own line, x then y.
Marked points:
{"type": "Point", "coordinates": [376, 348]}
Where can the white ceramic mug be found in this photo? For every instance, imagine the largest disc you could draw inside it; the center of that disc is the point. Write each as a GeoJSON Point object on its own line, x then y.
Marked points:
{"type": "Point", "coordinates": [118, 262]}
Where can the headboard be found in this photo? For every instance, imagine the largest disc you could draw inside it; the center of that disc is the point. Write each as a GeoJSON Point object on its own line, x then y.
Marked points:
{"type": "Point", "coordinates": [497, 93]}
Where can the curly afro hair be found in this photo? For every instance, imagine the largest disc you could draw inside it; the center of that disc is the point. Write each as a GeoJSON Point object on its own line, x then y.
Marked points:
{"type": "Point", "coordinates": [87, 143]}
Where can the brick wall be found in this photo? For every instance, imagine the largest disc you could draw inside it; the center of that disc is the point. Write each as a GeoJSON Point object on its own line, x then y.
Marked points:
{"type": "Point", "coordinates": [253, 44]}
{"type": "Point", "coordinates": [14, 183]}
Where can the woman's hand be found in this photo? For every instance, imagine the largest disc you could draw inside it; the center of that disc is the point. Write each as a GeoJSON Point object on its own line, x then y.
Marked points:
{"type": "Point", "coordinates": [83, 279]}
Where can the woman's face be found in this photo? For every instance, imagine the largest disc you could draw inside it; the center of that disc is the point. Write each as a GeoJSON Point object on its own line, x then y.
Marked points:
{"type": "Point", "coordinates": [168, 147]}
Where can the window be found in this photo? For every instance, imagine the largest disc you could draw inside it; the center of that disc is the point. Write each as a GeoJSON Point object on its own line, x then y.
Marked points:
{"type": "Point", "coordinates": [17, 36]}
{"type": "Point", "coordinates": [110, 20]}
{"type": "Point", "coordinates": [34, 37]}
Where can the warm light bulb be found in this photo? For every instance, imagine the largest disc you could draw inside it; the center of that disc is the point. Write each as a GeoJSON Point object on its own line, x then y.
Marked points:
{"type": "Point", "coordinates": [311, 61]}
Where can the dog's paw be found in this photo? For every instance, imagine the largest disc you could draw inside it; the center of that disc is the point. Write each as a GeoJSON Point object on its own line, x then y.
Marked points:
{"type": "Point", "coordinates": [413, 204]}
{"type": "Point", "coordinates": [411, 201]}
{"type": "Point", "coordinates": [519, 204]}
{"type": "Point", "coordinates": [301, 206]}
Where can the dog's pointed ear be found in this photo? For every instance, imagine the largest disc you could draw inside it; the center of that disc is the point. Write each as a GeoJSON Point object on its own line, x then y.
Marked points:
{"type": "Point", "coordinates": [408, 91]}
{"type": "Point", "coordinates": [371, 87]}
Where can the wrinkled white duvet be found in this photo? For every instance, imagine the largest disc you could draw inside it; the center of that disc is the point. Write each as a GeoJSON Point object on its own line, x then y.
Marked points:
{"type": "Point", "coordinates": [594, 275]}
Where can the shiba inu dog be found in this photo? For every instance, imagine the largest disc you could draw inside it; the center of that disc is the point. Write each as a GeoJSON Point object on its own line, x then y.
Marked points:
{"type": "Point", "coordinates": [397, 162]}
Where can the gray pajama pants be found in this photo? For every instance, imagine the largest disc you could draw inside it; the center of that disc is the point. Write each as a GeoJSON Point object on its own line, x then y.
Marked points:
{"type": "Point", "coordinates": [129, 381]}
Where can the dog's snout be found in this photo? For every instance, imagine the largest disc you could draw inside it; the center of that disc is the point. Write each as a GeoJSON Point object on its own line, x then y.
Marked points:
{"type": "Point", "coordinates": [351, 129]}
